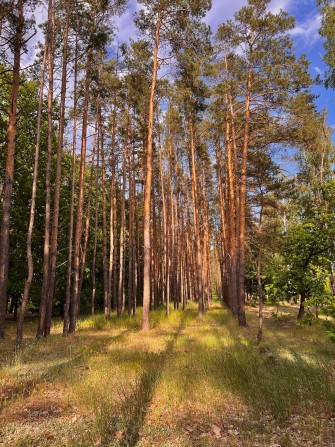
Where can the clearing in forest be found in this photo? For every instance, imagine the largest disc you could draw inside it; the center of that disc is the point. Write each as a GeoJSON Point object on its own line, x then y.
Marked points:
{"type": "Point", "coordinates": [187, 383]}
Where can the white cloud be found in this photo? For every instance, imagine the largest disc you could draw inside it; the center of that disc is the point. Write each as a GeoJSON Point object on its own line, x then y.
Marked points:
{"type": "Point", "coordinates": [224, 10]}
{"type": "Point", "coordinates": [307, 31]}
{"type": "Point", "coordinates": [125, 24]}
{"type": "Point", "coordinates": [40, 14]}
{"type": "Point", "coordinates": [277, 5]}
{"type": "Point", "coordinates": [221, 11]}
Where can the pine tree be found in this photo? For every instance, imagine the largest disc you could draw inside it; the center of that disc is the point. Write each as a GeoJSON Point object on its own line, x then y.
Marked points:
{"type": "Point", "coordinates": [164, 23]}
{"type": "Point", "coordinates": [16, 33]}
{"type": "Point", "coordinates": [259, 74]}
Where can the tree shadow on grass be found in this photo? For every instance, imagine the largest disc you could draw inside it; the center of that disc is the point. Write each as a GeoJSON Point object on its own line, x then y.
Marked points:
{"type": "Point", "coordinates": [61, 367]}
{"type": "Point", "coordinates": [124, 426]}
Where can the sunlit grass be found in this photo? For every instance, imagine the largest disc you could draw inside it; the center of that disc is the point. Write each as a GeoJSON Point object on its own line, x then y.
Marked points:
{"type": "Point", "coordinates": [115, 386]}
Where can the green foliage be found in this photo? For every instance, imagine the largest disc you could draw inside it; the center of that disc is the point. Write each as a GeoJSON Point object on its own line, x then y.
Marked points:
{"type": "Point", "coordinates": [25, 147]}
{"type": "Point", "coordinates": [24, 160]}
{"type": "Point", "coordinates": [259, 40]}
{"type": "Point", "coordinates": [308, 319]}
{"type": "Point", "coordinates": [305, 263]}
{"type": "Point", "coordinates": [327, 31]}
{"type": "Point", "coordinates": [181, 21]}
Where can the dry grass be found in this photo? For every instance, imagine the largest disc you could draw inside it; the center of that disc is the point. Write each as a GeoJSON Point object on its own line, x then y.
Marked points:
{"type": "Point", "coordinates": [187, 383]}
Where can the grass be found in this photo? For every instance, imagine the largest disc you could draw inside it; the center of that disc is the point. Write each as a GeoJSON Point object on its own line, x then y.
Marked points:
{"type": "Point", "coordinates": [186, 383]}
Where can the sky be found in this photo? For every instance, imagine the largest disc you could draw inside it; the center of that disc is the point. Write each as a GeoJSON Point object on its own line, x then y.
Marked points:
{"type": "Point", "coordinates": [305, 35]}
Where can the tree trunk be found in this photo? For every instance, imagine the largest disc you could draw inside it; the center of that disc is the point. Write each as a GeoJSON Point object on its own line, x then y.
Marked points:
{"type": "Point", "coordinates": [194, 189]}
{"type": "Point", "coordinates": [147, 192]}
{"type": "Point", "coordinates": [154, 293]}
{"type": "Point", "coordinates": [259, 281]}
{"type": "Point", "coordinates": [242, 207]}
{"type": "Point", "coordinates": [172, 241]}
{"type": "Point", "coordinates": [25, 297]}
{"type": "Point", "coordinates": [77, 239]}
{"type": "Point", "coordinates": [87, 219]}
{"type": "Point", "coordinates": [207, 270]}
{"type": "Point", "coordinates": [132, 240]}
{"type": "Point", "coordinates": [223, 243]}
{"type": "Point", "coordinates": [9, 174]}
{"type": "Point", "coordinates": [46, 249]}
{"type": "Point", "coordinates": [112, 212]}
{"type": "Point", "coordinates": [55, 217]}
{"type": "Point", "coordinates": [232, 216]}
{"type": "Point", "coordinates": [96, 216]}
{"type": "Point", "coordinates": [104, 221]}
{"type": "Point", "coordinates": [73, 181]}
{"type": "Point", "coordinates": [302, 306]}
{"type": "Point", "coordinates": [121, 293]}
{"type": "Point", "coordinates": [165, 237]}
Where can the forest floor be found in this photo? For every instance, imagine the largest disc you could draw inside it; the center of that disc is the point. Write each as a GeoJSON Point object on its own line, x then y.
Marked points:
{"type": "Point", "coordinates": [186, 383]}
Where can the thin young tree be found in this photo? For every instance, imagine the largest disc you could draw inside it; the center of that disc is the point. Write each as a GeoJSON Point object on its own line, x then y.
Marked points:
{"type": "Point", "coordinates": [41, 329]}
{"type": "Point", "coordinates": [30, 261]}
{"type": "Point", "coordinates": [66, 316]}
{"type": "Point", "coordinates": [57, 189]}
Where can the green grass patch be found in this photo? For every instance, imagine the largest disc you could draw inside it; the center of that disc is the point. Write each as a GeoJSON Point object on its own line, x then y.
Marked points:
{"type": "Point", "coordinates": [116, 386]}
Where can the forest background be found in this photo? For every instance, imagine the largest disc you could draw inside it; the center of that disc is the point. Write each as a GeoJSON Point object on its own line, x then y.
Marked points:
{"type": "Point", "coordinates": [167, 223]}
{"type": "Point", "coordinates": [220, 138]}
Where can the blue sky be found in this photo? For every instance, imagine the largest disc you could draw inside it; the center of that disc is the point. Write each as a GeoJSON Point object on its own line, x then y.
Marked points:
{"type": "Point", "coordinates": [305, 34]}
